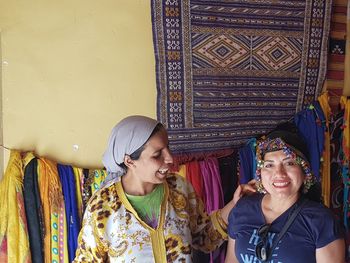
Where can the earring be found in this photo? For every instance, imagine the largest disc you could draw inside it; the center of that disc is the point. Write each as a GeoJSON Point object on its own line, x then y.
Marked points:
{"type": "Point", "coordinates": [259, 187]}
{"type": "Point", "coordinates": [308, 182]}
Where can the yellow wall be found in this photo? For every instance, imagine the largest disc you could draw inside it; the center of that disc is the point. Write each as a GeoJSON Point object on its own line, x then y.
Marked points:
{"type": "Point", "coordinates": [70, 71]}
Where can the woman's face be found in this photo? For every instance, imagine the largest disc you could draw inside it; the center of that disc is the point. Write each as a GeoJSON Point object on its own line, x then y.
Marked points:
{"type": "Point", "coordinates": [155, 160]}
{"type": "Point", "coordinates": [281, 175]}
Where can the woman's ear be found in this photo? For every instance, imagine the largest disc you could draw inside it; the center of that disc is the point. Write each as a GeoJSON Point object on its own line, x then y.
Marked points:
{"type": "Point", "coordinates": [128, 161]}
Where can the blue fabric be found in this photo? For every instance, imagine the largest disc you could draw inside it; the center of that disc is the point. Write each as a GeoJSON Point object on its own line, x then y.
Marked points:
{"type": "Point", "coordinates": [313, 228]}
{"type": "Point", "coordinates": [70, 201]}
{"type": "Point", "coordinates": [310, 123]}
{"type": "Point", "coordinates": [247, 162]}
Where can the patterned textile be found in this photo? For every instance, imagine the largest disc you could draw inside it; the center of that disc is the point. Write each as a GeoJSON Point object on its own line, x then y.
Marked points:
{"type": "Point", "coordinates": [14, 240]}
{"type": "Point", "coordinates": [228, 71]}
{"type": "Point", "coordinates": [336, 58]}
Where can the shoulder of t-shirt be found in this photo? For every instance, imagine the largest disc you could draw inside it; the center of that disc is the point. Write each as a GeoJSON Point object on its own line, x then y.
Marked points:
{"type": "Point", "coordinates": [246, 202]}
{"type": "Point", "coordinates": [249, 200]}
{"type": "Point", "coordinates": [314, 209]}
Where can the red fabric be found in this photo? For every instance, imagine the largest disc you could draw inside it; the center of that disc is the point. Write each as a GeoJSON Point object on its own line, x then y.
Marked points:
{"type": "Point", "coordinates": [194, 176]}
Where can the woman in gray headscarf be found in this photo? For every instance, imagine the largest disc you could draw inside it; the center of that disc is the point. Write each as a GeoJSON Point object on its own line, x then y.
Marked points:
{"type": "Point", "coordinates": [144, 213]}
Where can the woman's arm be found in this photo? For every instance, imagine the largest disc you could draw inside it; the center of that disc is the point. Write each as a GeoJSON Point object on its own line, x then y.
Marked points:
{"type": "Point", "coordinates": [334, 252]}
{"type": "Point", "coordinates": [209, 232]}
{"type": "Point", "coordinates": [230, 253]}
{"type": "Point", "coordinates": [240, 191]}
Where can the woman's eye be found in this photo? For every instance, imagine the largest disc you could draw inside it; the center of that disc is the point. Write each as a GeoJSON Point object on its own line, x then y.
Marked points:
{"type": "Point", "coordinates": [291, 163]}
{"type": "Point", "coordinates": [268, 165]}
{"type": "Point", "coordinates": [156, 155]}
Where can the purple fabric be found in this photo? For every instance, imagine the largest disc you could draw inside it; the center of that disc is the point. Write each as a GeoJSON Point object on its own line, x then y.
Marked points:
{"type": "Point", "coordinates": [213, 195]}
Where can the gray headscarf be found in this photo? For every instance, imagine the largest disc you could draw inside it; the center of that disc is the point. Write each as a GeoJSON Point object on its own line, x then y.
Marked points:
{"type": "Point", "coordinates": [126, 137]}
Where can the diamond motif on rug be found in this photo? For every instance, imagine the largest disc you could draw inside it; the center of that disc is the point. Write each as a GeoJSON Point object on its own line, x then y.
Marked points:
{"type": "Point", "coordinates": [231, 70]}
{"type": "Point", "coordinates": [277, 54]}
{"type": "Point", "coordinates": [221, 51]}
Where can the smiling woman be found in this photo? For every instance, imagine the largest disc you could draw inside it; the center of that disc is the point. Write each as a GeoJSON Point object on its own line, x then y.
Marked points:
{"type": "Point", "coordinates": [283, 223]}
{"type": "Point", "coordinates": [144, 213]}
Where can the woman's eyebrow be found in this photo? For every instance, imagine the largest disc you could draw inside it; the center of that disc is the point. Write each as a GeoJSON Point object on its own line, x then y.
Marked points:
{"type": "Point", "coordinates": [269, 160]}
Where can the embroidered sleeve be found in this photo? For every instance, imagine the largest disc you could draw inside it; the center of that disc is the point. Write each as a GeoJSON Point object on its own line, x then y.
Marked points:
{"type": "Point", "coordinates": [90, 245]}
{"type": "Point", "coordinates": [207, 232]}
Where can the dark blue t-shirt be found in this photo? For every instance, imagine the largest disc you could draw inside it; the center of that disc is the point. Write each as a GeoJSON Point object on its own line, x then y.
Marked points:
{"type": "Point", "coordinates": [313, 228]}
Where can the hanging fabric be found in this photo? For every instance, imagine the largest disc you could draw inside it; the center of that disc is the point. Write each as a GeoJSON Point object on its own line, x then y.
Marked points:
{"type": "Point", "coordinates": [310, 127]}
{"type": "Point", "coordinates": [247, 165]}
{"type": "Point", "coordinates": [326, 155]}
{"type": "Point", "coordinates": [14, 239]}
{"type": "Point", "coordinates": [33, 209]}
{"type": "Point", "coordinates": [72, 218]}
{"type": "Point", "coordinates": [194, 176]}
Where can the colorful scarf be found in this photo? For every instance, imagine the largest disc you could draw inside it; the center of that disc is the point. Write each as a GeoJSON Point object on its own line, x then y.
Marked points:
{"type": "Point", "coordinates": [14, 242]}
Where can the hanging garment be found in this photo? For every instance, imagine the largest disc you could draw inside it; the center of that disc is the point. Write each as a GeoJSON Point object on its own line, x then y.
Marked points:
{"type": "Point", "coordinates": [14, 242]}
{"type": "Point", "coordinates": [228, 174]}
{"type": "Point", "coordinates": [247, 165]}
{"type": "Point", "coordinates": [33, 210]}
{"type": "Point", "coordinates": [79, 181]}
{"type": "Point", "coordinates": [335, 124]}
{"type": "Point", "coordinates": [345, 161]}
{"type": "Point", "coordinates": [345, 104]}
{"type": "Point", "coordinates": [326, 155]}
{"type": "Point", "coordinates": [194, 176]}
{"type": "Point", "coordinates": [72, 218]}
{"type": "Point", "coordinates": [62, 234]}
{"type": "Point", "coordinates": [310, 124]}
{"type": "Point", "coordinates": [97, 177]}
{"type": "Point", "coordinates": [86, 193]}
{"type": "Point", "coordinates": [213, 196]}
{"type": "Point", "coordinates": [51, 198]}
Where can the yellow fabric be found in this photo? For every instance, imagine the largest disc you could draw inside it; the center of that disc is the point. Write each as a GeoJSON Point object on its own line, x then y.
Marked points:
{"type": "Point", "coordinates": [78, 173]}
{"type": "Point", "coordinates": [182, 170]}
{"type": "Point", "coordinates": [13, 225]}
{"type": "Point", "coordinates": [97, 178]}
{"type": "Point", "coordinates": [63, 235]}
{"type": "Point", "coordinates": [326, 164]}
{"type": "Point", "coordinates": [345, 103]}
{"type": "Point", "coordinates": [54, 238]}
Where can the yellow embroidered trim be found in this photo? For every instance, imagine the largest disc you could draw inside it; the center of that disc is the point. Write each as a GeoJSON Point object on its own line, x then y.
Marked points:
{"type": "Point", "coordinates": [215, 220]}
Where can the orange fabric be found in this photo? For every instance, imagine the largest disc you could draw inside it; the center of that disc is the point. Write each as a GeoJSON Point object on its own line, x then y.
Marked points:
{"type": "Point", "coordinates": [51, 196]}
{"type": "Point", "coordinates": [345, 104]}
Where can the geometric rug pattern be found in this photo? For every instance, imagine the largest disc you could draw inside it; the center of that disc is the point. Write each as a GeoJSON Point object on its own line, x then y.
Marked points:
{"type": "Point", "coordinates": [228, 71]}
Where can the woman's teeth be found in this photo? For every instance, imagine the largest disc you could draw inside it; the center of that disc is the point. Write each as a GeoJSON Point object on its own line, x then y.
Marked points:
{"type": "Point", "coordinates": [280, 184]}
{"type": "Point", "coordinates": [163, 171]}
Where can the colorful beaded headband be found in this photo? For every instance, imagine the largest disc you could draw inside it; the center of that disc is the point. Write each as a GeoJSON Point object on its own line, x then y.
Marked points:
{"type": "Point", "coordinates": [272, 145]}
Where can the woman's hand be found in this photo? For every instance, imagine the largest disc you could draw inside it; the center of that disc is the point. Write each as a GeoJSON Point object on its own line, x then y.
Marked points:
{"type": "Point", "coordinates": [244, 189]}
{"type": "Point", "coordinates": [241, 190]}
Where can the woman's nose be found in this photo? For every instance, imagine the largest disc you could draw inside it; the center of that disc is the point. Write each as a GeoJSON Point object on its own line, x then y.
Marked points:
{"type": "Point", "coordinates": [280, 170]}
{"type": "Point", "coordinates": [168, 158]}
